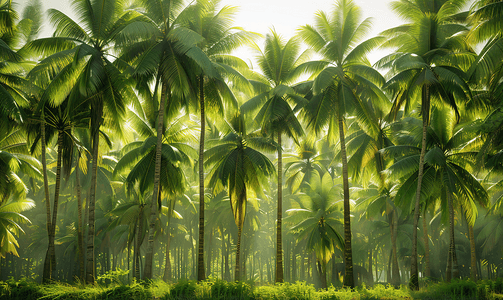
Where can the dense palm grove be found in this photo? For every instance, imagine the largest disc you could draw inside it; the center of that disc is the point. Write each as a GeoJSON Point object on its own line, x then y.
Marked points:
{"type": "Point", "coordinates": [134, 141]}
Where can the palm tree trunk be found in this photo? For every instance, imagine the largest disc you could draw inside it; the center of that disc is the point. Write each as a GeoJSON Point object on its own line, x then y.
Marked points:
{"type": "Point", "coordinates": [348, 252]}
{"type": "Point", "coordinates": [473, 255]}
{"type": "Point", "coordinates": [90, 270]}
{"type": "Point", "coordinates": [139, 241]}
{"type": "Point", "coordinates": [323, 274]}
{"type": "Point", "coordinates": [426, 240]}
{"type": "Point", "coordinates": [167, 266]}
{"type": "Point", "coordinates": [200, 251]}
{"type": "Point", "coordinates": [47, 270]}
{"type": "Point", "coordinates": [452, 245]}
{"type": "Point", "coordinates": [279, 246]}
{"type": "Point", "coordinates": [237, 273]}
{"type": "Point", "coordinates": [157, 175]}
{"type": "Point", "coordinates": [52, 233]}
{"type": "Point", "coordinates": [371, 275]}
{"type": "Point", "coordinates": [395, 271]}
{"type": "Point", "coordinates": [80, 236]}
{"type": "Point", "coordinates": [425, 105]}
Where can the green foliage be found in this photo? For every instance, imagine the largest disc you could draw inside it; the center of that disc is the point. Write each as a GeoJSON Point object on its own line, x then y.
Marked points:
{"type": "Point", "coordinates": [220, 289]}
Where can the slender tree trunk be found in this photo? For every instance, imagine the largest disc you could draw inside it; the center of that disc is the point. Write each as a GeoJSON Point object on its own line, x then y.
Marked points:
{"type": "Point", "coordinates": [80, 236]}
{"type": "Point", "coordinates": [426, 240]}
{"type": "Point", "coordinates": [452, 245]}
{"type": "Point", "coordinates": [425, 105]}
{"type": "Point", "coordinates": [348, 252]}
{"type": "Point", "coordinates": [237, 270]}
{"type": "Point", "coordinates": [95, 132]}
{"type": "Point", "coordinates": [395, 272]}
{"type": "Point", "coordinates": [200, 253]}
{"type": "Point", "coordinates": [139, 241]}
{"type": "Point", "coordinates": [371, 275]}
{"type": "Point", "coordinates": [157, 175]}
{"type": "Point", "coordinates": [47, 270]}
{"type": "Point", "coordinates": [167, 266]}
{"type": "Point", "coordinates": [473, 255]}
{"type": "Point", "coordinates": [279, 245]}
{"type": "Point", "coordinates": [52, 234]}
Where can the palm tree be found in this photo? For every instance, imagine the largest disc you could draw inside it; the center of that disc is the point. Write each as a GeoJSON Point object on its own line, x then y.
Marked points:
{"type": "Point", "coordinates": [317, 218]}
{"type": "Point", "coordinates": [446, 173]}
{"type": "Point", "coordinates": [166, 54]}
{"type": "Point", "coordinates": [426, 66]}
{"type": "Point", "coordinates": [346, 78]}
{"type": "Point", "coordinates": [240, 168]}
{"type": "Point", "coordinates": [220, 39]}
{"type": "Point", "coordinates": [88, 77]}
{"type": "Point", "coordinates": [280, 63]}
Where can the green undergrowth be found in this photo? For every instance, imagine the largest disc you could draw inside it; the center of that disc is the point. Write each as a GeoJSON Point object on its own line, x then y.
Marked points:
{"type": "Point", "coordinates": [223, 290]}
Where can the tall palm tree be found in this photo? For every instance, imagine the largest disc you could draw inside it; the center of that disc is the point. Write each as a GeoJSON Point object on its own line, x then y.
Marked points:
{"type": "Point", "coordinates": [214, 24]}
{"type": "Point", "coordinates": [447, 172]}
{"type": "Point", "coordinates": [346, 78]}
{"type": "Point", "coordinates": [426, 66]}
{"type": "Point", "coordinates": [241, 168]}
{"type": "Point", "coordinates": [281, 63]}
{"type": "Point", "coordinates": [88, 77]}
{"type": "Point", "coordinates": [167, 56]}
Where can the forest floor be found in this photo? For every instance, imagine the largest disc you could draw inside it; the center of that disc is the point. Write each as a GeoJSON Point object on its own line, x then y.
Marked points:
{"type": "Point", "coordinates": [219, 289]}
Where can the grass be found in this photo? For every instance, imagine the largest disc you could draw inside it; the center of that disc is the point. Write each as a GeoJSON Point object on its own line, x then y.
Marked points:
{"type": "Point", "coordinates": [223, 290]}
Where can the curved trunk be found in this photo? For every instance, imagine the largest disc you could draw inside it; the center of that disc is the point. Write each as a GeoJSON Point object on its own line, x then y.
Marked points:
{"type": "Point", "coordinates": [157, 175]}
{"type": "Point", "coordinates": [426, 241]}
{"type": "Point", "coordinates": [200, 251]}
{"type": "Point", "coordinates": [47, 270]}
{"type": "Point", "coordinates": [95, 129]}
{"type": "Point", "coordinates": [348, 252]}
{"type": "Point", "coordinates": [279, 245]}
{"type": "Point", "coordinates": [425, 105]}
{"type": "Point", "coordinates": [80, 236]}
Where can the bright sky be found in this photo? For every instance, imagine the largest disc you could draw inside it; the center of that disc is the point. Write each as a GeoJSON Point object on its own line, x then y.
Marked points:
{"type": "Point", "coordinates": [285, 15]}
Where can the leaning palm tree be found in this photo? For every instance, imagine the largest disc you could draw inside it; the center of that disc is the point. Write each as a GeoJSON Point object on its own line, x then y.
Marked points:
{"type": "Point", "coordinates": [241, 168]}
{"type": "Point", "coordinates": [88, 77]}
{"type": "Point", "coordinates": [346, 78]}
{"type": "Point", "coordinates": [427, 65]}
{"type": "Point", "coordinates": [281, 63]}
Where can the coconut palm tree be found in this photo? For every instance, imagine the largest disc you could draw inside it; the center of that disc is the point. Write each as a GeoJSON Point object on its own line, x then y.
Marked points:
{"type": "Point", "coordinates": [88, 76]}
{"type": "Point", "coordinates": [427, 64]}
{"type": "Point", "coordinates": [281, 63]}
{"type": "Point", "coordinates": [448, 162]}
{"type": "Point", "coordinates": [241, 168]}
{"type": "Point", "coordinates": [166, 56]}
{"type": "Point", "coordinates": [346, 78]}
{"type": "Point", "coordinates": [214, 24]}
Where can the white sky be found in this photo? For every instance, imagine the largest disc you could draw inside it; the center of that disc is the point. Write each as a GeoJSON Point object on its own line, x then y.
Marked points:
{"type": "Point", "coordinates": [285, 15]}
